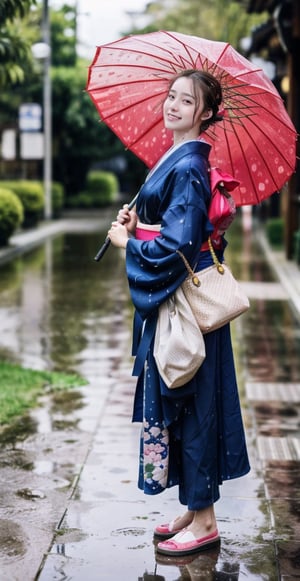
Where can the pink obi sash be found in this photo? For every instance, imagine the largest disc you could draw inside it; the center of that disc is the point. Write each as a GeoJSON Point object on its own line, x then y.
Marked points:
{"type": "Point", "coordinates": [150, 231]}
{"type": "Point", "coordinates": [147, 231]}
{"type": "Point", "coordinates": [221, 211]}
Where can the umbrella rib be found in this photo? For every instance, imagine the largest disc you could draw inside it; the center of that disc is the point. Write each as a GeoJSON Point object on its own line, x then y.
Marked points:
{"type": "Point", "coordinates": [279, 151]}
{"type": "Point", "coordinates": [139, 137]}
{"type": "Point", "coordinates": [254, 105]}
{"type": "Point", "coordinates": [236, 120]}
{"type": "Point", "coordinates": [133, 66]}
{"type": "Point", "coordinates": [173, 62]}
{"type": "Point", "coordinates": [134, 82]}
{"type": "Point", "coordinates": [179, 58]}
{"type": "Point", "coordinates": [276, 185]}
{"type": "Point", "coordinates": [244, 157]}
{"type": "Point", "coordinates": [256, 133]}
{"type": "Point", "coordinates": [128, 107]}
{"type": "Point", "coordinates": [199, 56]}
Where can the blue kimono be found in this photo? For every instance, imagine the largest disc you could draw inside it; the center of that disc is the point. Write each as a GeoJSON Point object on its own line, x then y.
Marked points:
{"type": "Point", "coordinates": [192, 436]}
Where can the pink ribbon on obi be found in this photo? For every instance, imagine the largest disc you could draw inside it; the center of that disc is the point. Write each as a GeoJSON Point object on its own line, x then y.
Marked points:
{"type": "Point", "coordinates": [219, 177]}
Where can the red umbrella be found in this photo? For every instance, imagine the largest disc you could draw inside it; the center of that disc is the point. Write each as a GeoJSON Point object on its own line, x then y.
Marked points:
{"type": "Point", "coordinates": [256, 140]}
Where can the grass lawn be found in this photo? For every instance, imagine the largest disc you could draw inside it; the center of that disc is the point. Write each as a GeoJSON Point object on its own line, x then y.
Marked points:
{"type": "Point", "coordinates": [20, 388]}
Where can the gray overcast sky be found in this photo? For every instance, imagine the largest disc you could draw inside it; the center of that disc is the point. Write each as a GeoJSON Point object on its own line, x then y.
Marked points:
{"type": "Point", "coordinates": [101, 21]}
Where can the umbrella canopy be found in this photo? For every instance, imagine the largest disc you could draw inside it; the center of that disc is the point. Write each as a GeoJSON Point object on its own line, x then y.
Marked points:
{"type": "Point", "coordinates": [255, 142]}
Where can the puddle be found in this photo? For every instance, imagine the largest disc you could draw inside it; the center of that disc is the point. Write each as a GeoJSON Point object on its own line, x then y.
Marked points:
{"type": "Point", "coordinates": [16, 459]}
{"type": "Point", "coordinates": [18, 431]}
{"type": "Point", "coordinates": [12, 540]}
{"type": "Point", "coordinates": [66, 401]}
{"type": "Point", "coordinates": [82, 323]}
{"type": "Point", "coordinates": [65, 424]}
{"type": "Point", "coordinates": [69, 536]}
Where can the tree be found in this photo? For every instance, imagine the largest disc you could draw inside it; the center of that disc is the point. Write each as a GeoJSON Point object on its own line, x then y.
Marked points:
{"type": "Point", "coordinates": [63, 36]}
{"type": "Point", "coordinates": [14, 48]}
{"type": "Point", "coordinates": [215, 19]}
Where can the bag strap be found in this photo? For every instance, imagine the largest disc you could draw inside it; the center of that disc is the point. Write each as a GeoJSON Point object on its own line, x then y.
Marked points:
{"type": "Point", "coordinates": [217, 263]}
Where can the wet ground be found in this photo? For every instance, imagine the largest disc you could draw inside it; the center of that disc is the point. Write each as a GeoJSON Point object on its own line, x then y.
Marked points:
{"type": "Point", "coordinates": [70, 508]}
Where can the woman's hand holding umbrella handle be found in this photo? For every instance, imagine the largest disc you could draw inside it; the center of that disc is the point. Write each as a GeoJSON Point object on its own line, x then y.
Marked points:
{"type": "Point", "coordinates": [128, 218]}
{"type": "Point", "coordinates": [118, 235]}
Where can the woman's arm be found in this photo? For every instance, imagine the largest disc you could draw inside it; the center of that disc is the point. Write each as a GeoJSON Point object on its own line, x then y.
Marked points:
{"type": "Point", "coordinates": [154, 268]}
{"type": "Point", "coordinates": [122, 227]}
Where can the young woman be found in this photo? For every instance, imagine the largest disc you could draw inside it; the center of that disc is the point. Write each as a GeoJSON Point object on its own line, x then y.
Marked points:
{"type": "Point", "coordinates": [192, 436]}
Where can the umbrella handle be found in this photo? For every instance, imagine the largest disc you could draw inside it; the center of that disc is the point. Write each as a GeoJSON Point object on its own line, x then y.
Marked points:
{"type": "Point", "coordinates": [106, 243]}
{"type": "Point", "coordinates": [103, 249]}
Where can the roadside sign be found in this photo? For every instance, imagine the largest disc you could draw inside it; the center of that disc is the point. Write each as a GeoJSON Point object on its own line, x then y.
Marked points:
{"type": "Point", "coordinates": [30, 117]}
{"type": "Point", "coordinates": [31, 145]}
{"type": "Point", "coordinates": [8, 145]}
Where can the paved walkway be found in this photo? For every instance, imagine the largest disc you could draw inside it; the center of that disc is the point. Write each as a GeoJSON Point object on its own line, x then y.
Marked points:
{"type": "Point", "coordinates": [286, 271]}
{"type": "Point", "coordinates": [24, 241]}
{"type": "Point", "coordinates": [105, 527]}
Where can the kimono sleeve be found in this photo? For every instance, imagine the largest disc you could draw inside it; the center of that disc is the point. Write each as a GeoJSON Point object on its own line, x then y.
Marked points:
{"type": "Point", "coordinates": [154, 268]}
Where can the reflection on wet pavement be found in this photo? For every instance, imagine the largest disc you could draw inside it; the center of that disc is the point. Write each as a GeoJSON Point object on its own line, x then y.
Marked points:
{"type": "Point", "coordinates": [77, 314]}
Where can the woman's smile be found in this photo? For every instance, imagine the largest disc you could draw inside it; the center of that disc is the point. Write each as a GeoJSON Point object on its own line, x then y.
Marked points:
{"type": "Point", "coordinates": [173, 117]}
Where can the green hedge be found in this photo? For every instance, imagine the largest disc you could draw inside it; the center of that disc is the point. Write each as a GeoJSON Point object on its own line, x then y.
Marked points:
{"type": "Point", "coordinates": [11, 214]}
{"type": "Point", "coordinates": [102, 182]}
{"type": "Point", "coordinates": [275, 231]}
{"type": "Point", "coordinates": [31, 195]}
{"type": "Point", "coordinates": [58, 199]}
{"type": "Point", "coordinates": [102, 189]}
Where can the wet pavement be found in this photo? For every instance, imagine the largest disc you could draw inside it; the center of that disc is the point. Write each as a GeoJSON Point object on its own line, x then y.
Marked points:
{"type": "Point", "coordinates": [70, 507]}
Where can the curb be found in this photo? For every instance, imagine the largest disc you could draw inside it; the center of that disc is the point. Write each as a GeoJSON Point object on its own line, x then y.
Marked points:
{"type": "Point", "coordinates": [286, 271]}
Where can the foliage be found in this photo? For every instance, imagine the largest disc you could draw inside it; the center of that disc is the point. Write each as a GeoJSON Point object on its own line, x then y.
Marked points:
{"type": "Point", "coordinates": [215, 20]}
{"type": "Point", "coordinates": [21, 388]}
{"type": "Point", "coordinates": [15, 52]}
{"type": "Point", "coordinates": [11, 214]}
{"type": "Point", "coordinates": [101, 190]}
{"type": "Point", "coordinates": [297, 246]}
{"type": "Point", "coordinates": [31, 195]}
{"type": "Point", "coordinates": [102, 182]}
{"type": "Point", "coordinates": [94, 199]}
{"type": "Point", "coordinates": [275, 231]}
{"type": "Point", "coordinates": [57, 195]}
{"type": "Point", "coordinates": [63, 36]}
{"type": "Point", "coordinates": [9, 9]}
{"type": "Point", "coordinates": [82, 200]}
{"type": "Point", "coordinates": [80, 140]}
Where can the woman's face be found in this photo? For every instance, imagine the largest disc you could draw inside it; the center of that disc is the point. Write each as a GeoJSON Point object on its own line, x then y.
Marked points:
{"type": "Point", "coordinates": [179, 109]}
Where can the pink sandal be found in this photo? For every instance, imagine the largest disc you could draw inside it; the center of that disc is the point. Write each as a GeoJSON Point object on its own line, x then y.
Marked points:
{"type": "Point", "coordinates": [185, 543]}
{"type": "Point", "coordinates": [166, 531]}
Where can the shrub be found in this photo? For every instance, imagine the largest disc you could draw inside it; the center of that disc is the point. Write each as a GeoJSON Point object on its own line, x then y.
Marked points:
{"type": "Point", "coordinates": [11, 214]}
{"type": "Point", "coordinates": [31, 195]}
{"type": "Point", "coordinates": [275, 231]}
{"type": "Point", "coordinates": [84, 200]}
{"type": "Point", "coordinates": [297, 246]}
{"type": "Point", "coordinates": [103, 187]}
{"type": "Point", "coordinates": [57, 193]}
